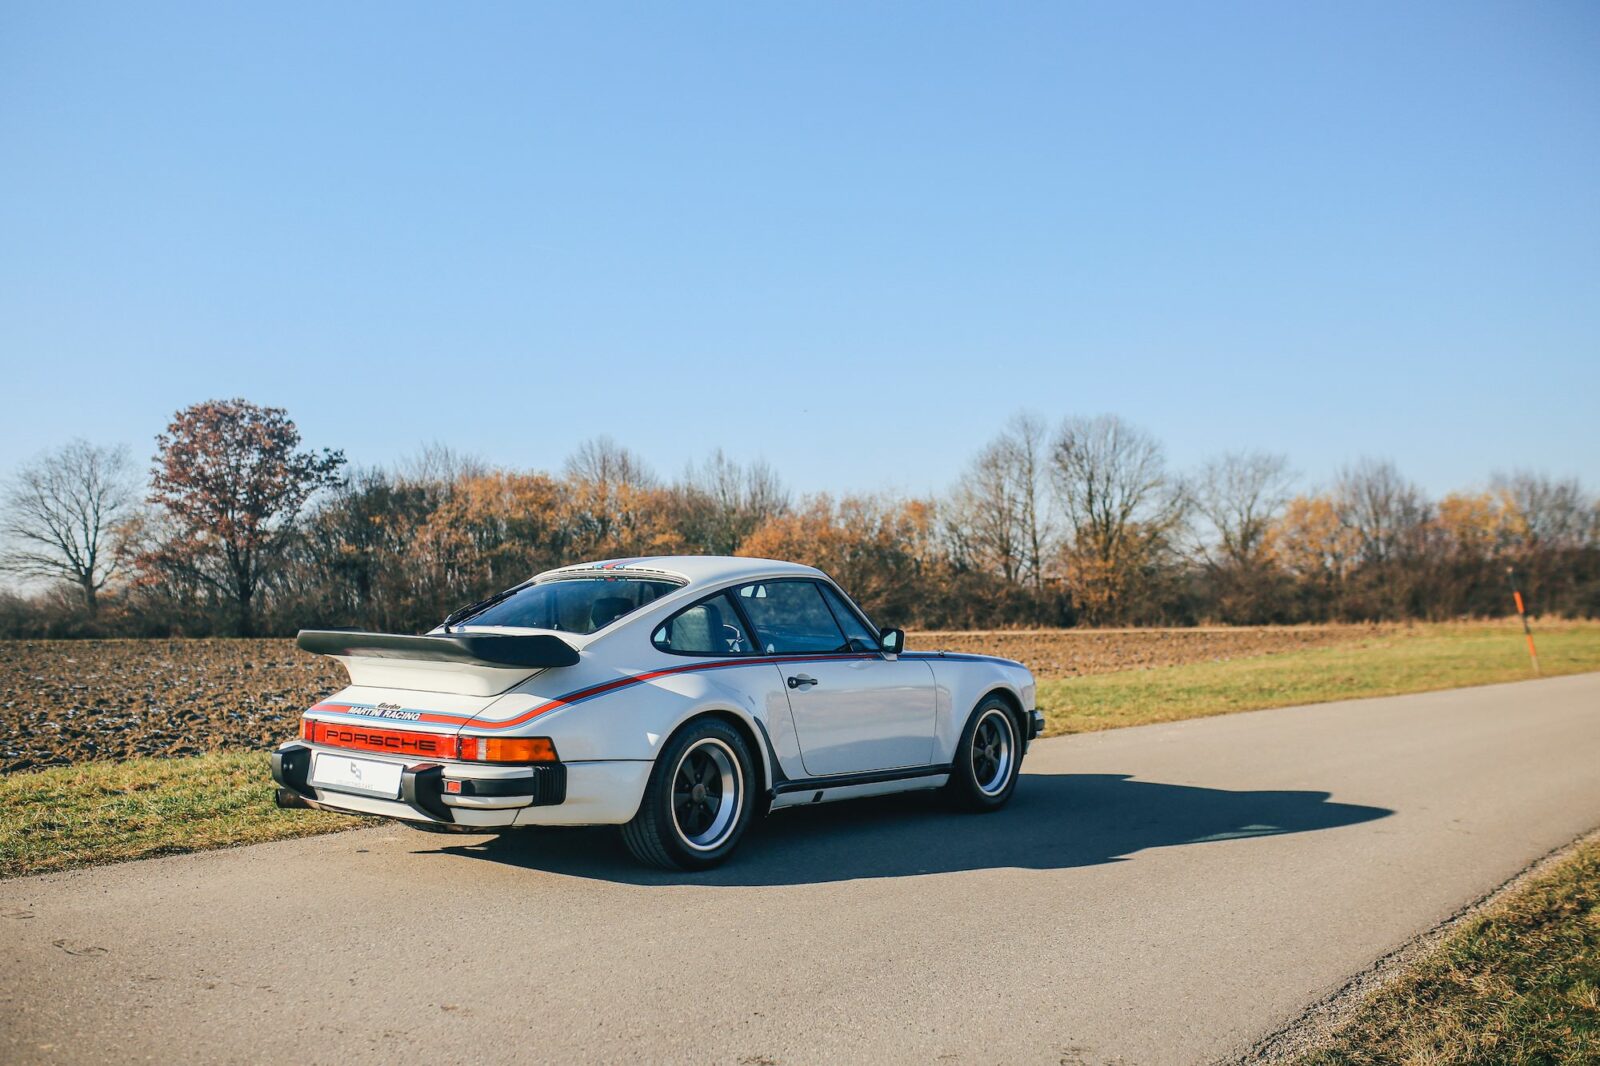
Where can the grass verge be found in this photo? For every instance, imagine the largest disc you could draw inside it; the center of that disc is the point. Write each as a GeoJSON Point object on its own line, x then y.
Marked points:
{"type": "Point", "coordinates": [1416, 659]}
{"type": "Point", "coordinates": [1517, 985]}
{"type": "Point", "coordinates": [67, 816]}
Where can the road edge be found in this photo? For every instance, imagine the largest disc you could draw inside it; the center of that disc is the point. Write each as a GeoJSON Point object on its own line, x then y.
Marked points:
{"type": "Point", "coordinates": [1315, 1026]}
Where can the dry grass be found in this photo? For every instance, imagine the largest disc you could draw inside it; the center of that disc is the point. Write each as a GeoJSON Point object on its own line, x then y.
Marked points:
{"type": "Point", "coordinates": [1062, 653]}
{"type": "Point", "coordinates": [98, 812]}
{"type": "Point", "coordinates": [1383, 663]}
{"type": "Point", "coordinates": [1518, 985]}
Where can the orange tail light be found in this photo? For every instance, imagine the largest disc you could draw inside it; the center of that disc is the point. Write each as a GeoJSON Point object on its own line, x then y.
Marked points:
{"type": "Point", "coordinates": [507, 749]}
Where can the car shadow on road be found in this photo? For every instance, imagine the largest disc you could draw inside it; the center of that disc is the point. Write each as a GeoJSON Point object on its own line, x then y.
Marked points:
{"type": "Point", "coordinates": [1054, 821]}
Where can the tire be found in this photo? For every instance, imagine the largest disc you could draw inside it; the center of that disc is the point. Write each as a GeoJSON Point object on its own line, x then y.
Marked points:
{"type": "Point", "coordinates": [698, 801]}
{"type": "Point", "coordinates": [987, 759]}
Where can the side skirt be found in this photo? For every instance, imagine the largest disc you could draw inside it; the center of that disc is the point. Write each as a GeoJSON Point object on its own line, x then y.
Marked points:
{"type": "Point", "coordinates": [802, 791]}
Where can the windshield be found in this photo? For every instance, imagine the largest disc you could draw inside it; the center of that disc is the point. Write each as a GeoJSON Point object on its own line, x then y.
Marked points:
{"type": "Point", "coordinates": [571, 605]}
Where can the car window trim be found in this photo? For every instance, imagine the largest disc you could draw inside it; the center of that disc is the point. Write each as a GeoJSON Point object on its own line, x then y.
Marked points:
{"type": "Point", "coordinates": [755, 633]}
{"type": "Point", "coordinates": [872, 632]}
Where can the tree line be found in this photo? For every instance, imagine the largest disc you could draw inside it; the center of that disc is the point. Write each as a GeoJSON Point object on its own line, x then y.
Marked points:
{"type": "Point", "coordinates": [239, 529]}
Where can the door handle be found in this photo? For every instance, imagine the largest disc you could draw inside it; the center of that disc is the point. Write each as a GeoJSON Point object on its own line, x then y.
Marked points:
{"type": "Point", "coordinates": [801, 681]}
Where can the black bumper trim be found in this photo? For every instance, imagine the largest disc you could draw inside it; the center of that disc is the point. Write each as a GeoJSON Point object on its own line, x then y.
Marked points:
{"type": "Point", "coordinates": [1035, 724]}
{"type": "Point", "coordinates": [422, 787]}
{"type": "Point", "coordinates": [546, 787]}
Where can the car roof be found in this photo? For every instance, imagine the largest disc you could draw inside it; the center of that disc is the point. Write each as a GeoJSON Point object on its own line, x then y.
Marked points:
{"type": "Point", "coordinates": [695, 569]}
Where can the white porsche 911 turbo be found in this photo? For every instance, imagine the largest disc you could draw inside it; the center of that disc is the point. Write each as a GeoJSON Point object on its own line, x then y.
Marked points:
{"type": "Point", "coordinates": [676, 697]}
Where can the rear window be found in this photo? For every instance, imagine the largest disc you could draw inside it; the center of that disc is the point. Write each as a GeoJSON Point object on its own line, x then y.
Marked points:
{"type": "Point", "coordinates": [572, 605]}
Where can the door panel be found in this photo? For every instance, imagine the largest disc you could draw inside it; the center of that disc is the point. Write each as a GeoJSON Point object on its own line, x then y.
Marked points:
{"type": "Point", "coordinates": [862, 714]}
{"type": "Point", "coordinates": [853, 710]}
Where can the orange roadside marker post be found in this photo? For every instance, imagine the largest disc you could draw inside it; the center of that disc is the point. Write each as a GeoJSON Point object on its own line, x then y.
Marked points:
{"type": "Point", "coordinates": [1522, 613]}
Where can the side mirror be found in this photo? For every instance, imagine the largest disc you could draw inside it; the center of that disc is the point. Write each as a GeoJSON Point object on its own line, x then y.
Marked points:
{"type": "Point", "coordinates": [892, 642]}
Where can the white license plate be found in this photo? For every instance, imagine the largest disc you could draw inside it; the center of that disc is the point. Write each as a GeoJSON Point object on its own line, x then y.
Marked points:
{"type": "Point", "coordinates": [369, 776]}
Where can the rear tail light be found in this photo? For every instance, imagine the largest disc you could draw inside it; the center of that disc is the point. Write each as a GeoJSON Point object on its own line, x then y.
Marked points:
{"type": "Point", "coordinates": [391, 741]}
{"type": "Point", "coordinates": [507, 749]}
{"type": "Point", "coordinates": [430, 745]}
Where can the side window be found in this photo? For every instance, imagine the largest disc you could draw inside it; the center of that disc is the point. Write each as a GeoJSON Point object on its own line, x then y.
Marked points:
{"type": "Point", "coordinates": [854, 631]}
{"type": "Point", "coordinates": [710, 627]}
{"type": "Point", "coordinates": [791, 618]}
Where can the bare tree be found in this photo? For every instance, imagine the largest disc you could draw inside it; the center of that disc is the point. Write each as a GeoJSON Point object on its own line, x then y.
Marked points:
{"type": "Point", "coordinates": [63, 515]}
{"type": "Point", "coordinates": [725, 501]}
{"type": "Point", "coordinates": [602, 461]}
{"type": "Point", "coordinates": [999, 517]}
{"type": "Point", "coordinates": [1026, 443]}
{"type": "Point", "coordinates": [1551, 513]}
{"type": "Point", "coordinates": [1385, 511]}
{"type": "Point", "coordinates": [981, 518]}
{"type": "Point", "coordinates": [439, 464]}
{"type": "Point", "coordinates": [1240, 494]}
{"type": "Point", "coordinates": [1122, 507]}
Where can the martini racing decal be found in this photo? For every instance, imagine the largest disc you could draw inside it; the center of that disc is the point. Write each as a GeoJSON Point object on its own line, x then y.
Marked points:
{"type": "Point", "coordinates": [383, 710]}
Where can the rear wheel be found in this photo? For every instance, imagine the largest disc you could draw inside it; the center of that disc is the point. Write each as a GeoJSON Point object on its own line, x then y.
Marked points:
{"type": "Point", "coordinates": [987, 759]}
{"type": "Point", "coordinates": [697, 803]}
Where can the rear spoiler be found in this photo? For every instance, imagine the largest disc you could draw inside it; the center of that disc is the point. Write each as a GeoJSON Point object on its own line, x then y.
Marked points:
{"type": "Point", "coordinates": [532, 651]}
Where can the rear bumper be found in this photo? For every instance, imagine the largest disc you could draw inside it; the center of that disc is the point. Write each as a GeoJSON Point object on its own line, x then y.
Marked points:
{"type": "Point", "coordinates": [584, 793]}
{"type": "Point", "coordinates": [423, 789]}
{"type": "Point", "coordinates": [1035, 724]}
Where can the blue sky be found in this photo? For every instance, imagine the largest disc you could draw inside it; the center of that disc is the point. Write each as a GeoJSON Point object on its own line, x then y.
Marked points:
{"type": "Point", "coordinates": [850, 239]}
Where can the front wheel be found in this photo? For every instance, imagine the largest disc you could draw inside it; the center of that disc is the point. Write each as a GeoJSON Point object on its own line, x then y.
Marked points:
{"type": "Point", "coordinates": [987, 759]}
{"type": "Point", "coordinates": [697, 803]}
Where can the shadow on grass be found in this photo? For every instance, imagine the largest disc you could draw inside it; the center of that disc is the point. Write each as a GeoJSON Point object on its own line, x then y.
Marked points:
{"type": "Point", "coordinates": [1054, 821]}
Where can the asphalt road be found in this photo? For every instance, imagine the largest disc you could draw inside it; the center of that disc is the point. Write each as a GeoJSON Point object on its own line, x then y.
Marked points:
{"type": "Point", "coordinates": [1165, 894]}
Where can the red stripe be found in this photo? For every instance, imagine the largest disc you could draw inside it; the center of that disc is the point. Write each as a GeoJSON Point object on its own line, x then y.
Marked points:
{"type": "Point", "coordinates": [439, 718]}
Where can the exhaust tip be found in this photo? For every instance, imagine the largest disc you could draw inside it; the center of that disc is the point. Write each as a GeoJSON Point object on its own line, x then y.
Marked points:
{"type": "Point", "coordinates": [290, 799]}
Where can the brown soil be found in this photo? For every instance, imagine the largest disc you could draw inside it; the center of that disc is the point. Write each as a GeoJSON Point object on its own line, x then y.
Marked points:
{"type": "Point", "coordinates": [71, 701]}
{"type": "Point", "coordinates": [65, 701]}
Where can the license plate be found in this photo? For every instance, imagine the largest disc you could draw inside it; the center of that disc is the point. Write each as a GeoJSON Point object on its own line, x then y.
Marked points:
{"type": "Point", "coordinates": [368, 776]}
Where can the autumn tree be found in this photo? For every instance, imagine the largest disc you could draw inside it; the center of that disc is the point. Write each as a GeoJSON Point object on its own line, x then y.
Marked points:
{"type": "Point", "coordinates": [606, 481]}
{"type": "Point", "coordinates": [883, 551]}
{"type": "Point", "coordinates": [1317, 550]}
{"type": "Point", "coordinates": [64, 517]}
{"type": "Point", "coordinates": [361, 553]}
{"type": "Point", "coordinates": [722, 501]}
{"type": "Point", "coordinates": [1474, 526]}
{"type": "Point", "coordinates": [1122, 506]}
{"type": "Point", "coordinates": [232, 479]}
{"type": "Point", "coordinates": [1554, 537]}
